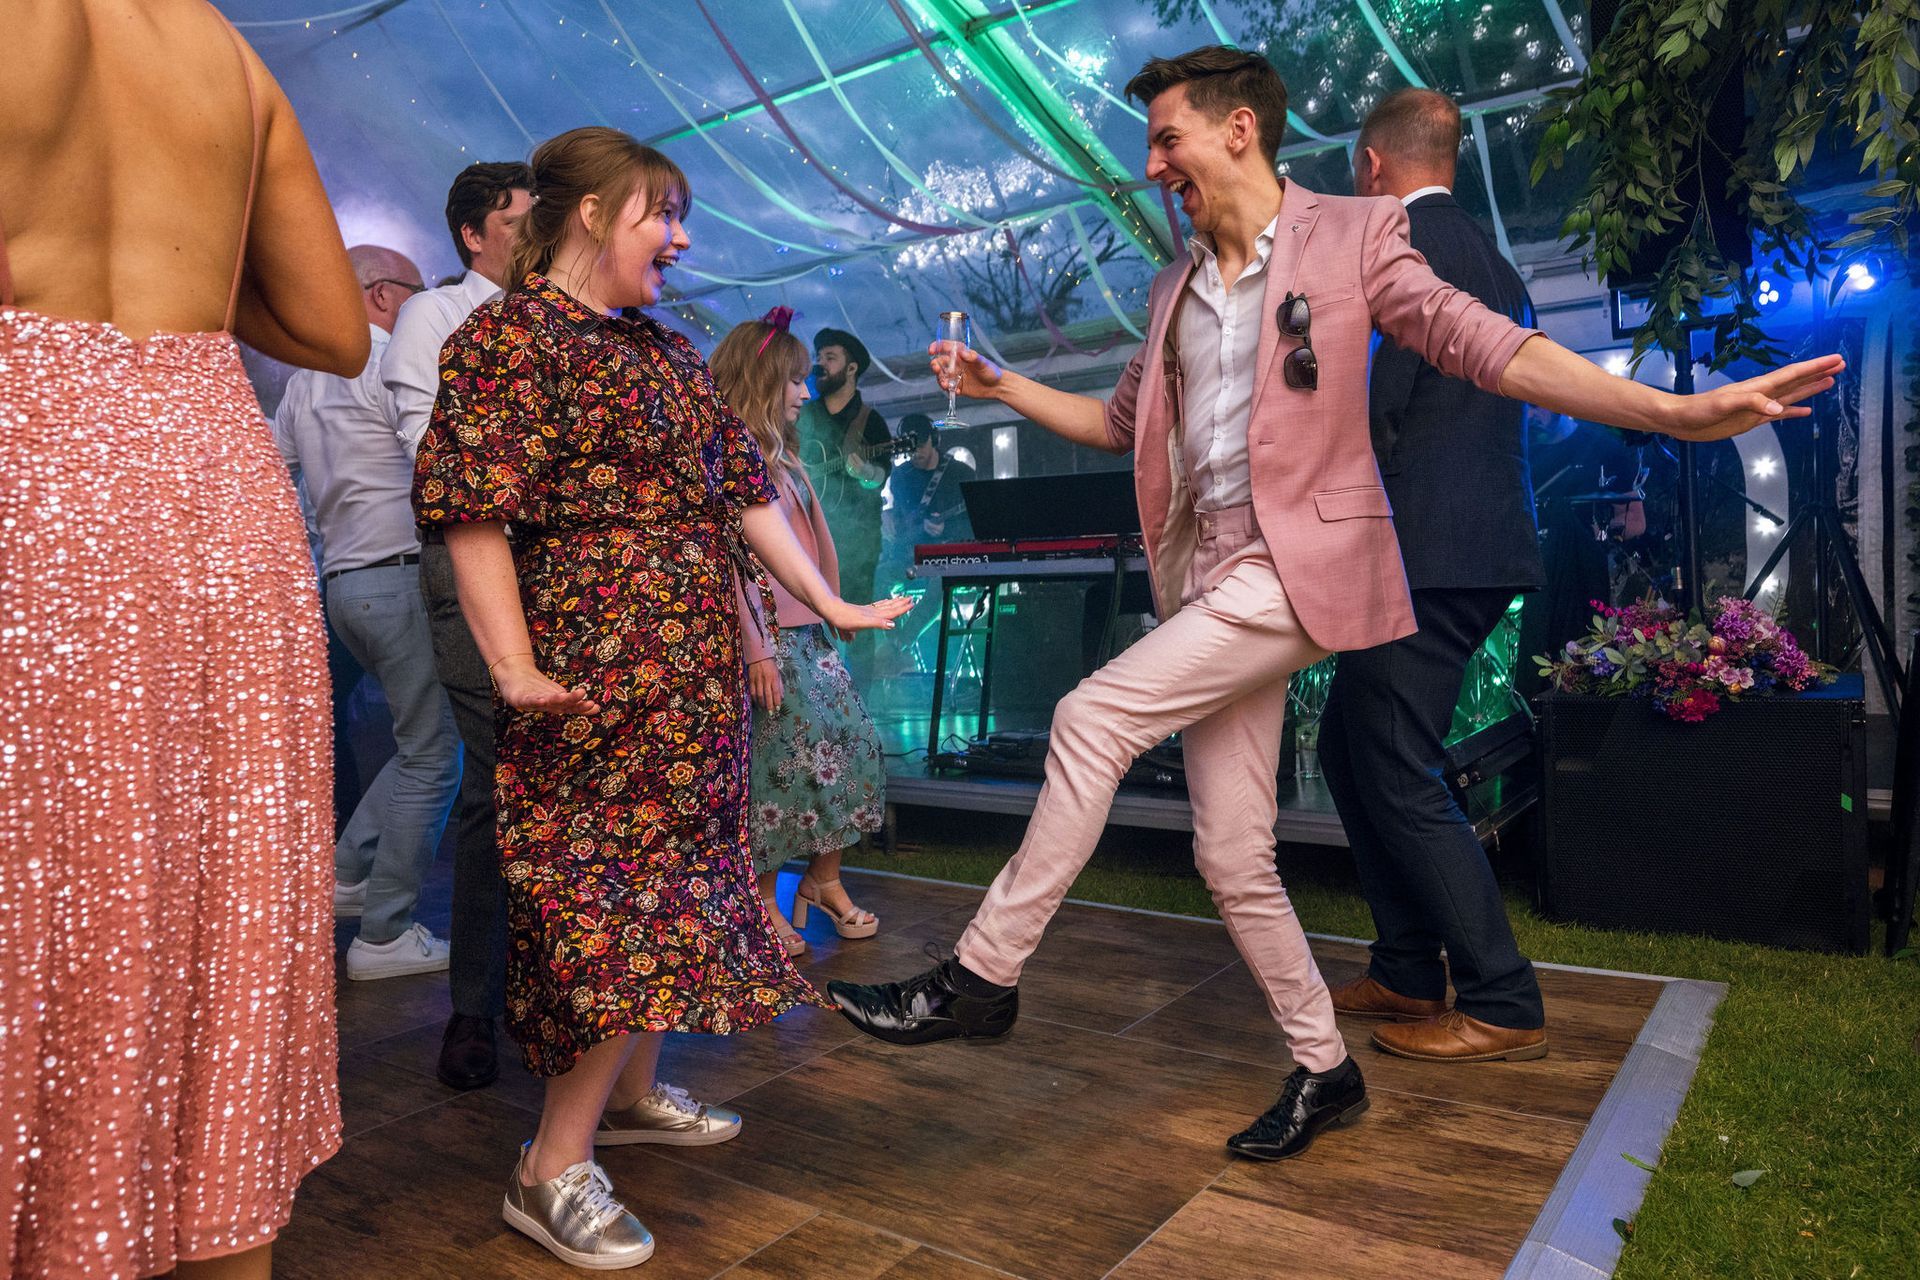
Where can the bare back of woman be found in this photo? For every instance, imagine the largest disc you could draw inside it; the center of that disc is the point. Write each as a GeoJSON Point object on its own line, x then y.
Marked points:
{"type": "Point", "coordinates": [127, 148]}
{"type": "Point", "coordinates": [167, 1043]}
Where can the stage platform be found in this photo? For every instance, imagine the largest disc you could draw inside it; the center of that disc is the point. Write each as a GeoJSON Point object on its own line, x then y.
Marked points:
{"type": "Point", "coordinates": [1306, 810]}
{"type": "Point", "coordinates": [1087, 1144]}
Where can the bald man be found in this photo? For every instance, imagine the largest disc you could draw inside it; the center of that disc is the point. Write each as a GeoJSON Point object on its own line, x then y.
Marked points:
{"type": "Point", "coordinates": [333, 433]}
{"type": "Point", "coordinates": [1453, 458]}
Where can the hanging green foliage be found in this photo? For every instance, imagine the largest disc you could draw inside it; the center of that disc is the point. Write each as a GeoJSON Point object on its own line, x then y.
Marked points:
{"type": "Point", "coordinates": [1817, 73]}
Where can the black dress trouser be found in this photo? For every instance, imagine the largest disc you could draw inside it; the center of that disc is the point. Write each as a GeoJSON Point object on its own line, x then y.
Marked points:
{"type": "Point", "coordinates": [1424, 873]}
{"type": "Point", "coordinates": [477, 935]}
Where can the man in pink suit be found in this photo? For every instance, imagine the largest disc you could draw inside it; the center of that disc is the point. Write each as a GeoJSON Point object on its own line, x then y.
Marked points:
{"type": "Point", "coordinates": [1269, 539]}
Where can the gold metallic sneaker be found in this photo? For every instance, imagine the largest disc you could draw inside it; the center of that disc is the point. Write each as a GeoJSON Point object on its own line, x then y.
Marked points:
{"type": "Point", "coordinates": [576, 1219]}
{"type": "Point", "coordinates": [667, 1115]}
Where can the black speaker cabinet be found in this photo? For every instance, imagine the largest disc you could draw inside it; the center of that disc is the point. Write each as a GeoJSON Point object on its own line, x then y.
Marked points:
{"type": "Point", "coordinates": [1750, 825]}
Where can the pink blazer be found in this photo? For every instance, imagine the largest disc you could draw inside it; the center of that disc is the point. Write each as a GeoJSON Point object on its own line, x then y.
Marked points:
{"type": "Point", "coordinates": [1317, 495]}
{"type": "Point", "coordinates": [809, 525]}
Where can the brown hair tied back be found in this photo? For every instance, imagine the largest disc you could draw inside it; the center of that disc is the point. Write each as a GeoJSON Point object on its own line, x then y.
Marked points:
{"type": "Point", "coordinates": [593, 161]}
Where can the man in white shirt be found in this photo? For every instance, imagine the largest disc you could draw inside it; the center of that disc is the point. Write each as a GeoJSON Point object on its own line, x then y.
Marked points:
{"type": "Point", "coordinates": [333, 434]}
{"type": "Point", "coordinates": [484, 208]}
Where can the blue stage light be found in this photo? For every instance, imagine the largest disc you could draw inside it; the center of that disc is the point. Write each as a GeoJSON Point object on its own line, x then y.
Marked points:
{"type": "Point", "coordinates": [1861, 276]}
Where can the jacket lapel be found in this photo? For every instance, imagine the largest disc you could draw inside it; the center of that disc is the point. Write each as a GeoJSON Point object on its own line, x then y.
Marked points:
{"type": "Point", "coordinates": [1299, 208]}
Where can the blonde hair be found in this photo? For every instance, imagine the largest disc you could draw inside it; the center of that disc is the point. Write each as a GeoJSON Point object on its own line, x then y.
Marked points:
{"type": "Point", "coordinates": [593, 161]}
{"type": "Point", "coordinates": [751, 369]}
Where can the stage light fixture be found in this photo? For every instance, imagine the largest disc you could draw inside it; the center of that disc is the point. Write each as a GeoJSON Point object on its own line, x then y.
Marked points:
{"type": "Point", "coordinates": [1762, 525]}
{"type": "Point", "coordinates": [1764, 468]}
{"type": "Point", "coordinates": [1861, 276]}
{"type": "Point", "coordinates": [1768, 296]}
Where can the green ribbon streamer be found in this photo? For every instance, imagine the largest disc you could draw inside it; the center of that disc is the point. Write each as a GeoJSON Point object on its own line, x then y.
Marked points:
{"type": "Point", "coordinates": [1100, 280]}
{"type": "Point", "coordinates": [894, 162]}
{"type": "Point", "coordinates": [1220, 33]}
{"type": "Point", "coordinates": [593, 109]}
{"type": "Point", "coordinates": [1386, 42]}
{"type": "Point", "coordinates": [745, 174]}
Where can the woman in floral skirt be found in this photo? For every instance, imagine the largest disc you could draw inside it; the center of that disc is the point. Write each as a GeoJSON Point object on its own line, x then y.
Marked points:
{"type": "Point", "coordinates": [818, 781]}
{"type": "Point", "coordinates": [610, 625]}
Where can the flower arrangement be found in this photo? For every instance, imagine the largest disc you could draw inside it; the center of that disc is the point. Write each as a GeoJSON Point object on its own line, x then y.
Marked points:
{"type": "Point", "coordinates": [1687, 668]}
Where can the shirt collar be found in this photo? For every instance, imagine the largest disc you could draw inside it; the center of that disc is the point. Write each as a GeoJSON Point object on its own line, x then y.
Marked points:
{"type": "Point", "coordinates": [1423, 192]}
{"type": "Point", "coordinates": [1201, 245]}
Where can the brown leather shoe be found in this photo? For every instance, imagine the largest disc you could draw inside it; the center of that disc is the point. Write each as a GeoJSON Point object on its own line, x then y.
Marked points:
{"type": "Point", "coordinates": [1454, 1037]}
{"type": "Point", "coordinates": [1368, 999]}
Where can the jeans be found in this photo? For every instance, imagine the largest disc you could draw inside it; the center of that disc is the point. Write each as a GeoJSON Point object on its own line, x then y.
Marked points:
{"type": "Point", "coordinates": [1425, 876]}
{"type": "Point", "coordinates": [395, 828]}
{"type": "Point", "coordinates": [478, 933]}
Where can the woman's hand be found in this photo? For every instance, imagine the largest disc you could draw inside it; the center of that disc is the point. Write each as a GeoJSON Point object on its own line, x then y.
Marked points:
{"type": "Point", "coordinates": [879, 615]}
{"type": "Point", "coordinates": [518, 683]}
{"type": "Point", "coordinates": [976, 376]}
{"type": "Point", "coordinates": [763, 682]}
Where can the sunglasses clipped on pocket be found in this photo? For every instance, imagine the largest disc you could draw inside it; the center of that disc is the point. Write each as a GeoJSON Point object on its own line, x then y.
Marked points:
{"type": "Point", "coordinates": [1301, 367]}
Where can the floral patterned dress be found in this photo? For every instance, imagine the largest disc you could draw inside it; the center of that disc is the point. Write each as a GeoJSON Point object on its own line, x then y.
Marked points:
{"type": "Point", "coordinates": [623, 835]}
{"type": "Point", "coordinates": [819, 780]}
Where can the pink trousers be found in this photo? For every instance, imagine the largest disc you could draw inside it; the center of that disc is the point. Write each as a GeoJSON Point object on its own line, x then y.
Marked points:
{"type": "Point", "coordinates": [1217, 673]}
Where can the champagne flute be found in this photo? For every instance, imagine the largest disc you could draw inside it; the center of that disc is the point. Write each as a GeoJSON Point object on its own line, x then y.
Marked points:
{"type": "Point", "coordinates": [954, 331]}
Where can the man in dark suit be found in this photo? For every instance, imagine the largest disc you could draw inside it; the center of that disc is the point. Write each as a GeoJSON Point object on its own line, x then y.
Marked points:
{"type": "Point", "coordinates": [1454, 460]}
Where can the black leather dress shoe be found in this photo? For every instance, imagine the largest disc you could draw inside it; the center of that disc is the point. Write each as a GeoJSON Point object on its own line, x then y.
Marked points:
{"type": "Point", "coordinates": [926, 1008]}
{"type": "Point", "coordinates": [468, 1059]}
{"type": "Point", "coordinates": [1307, 1105]}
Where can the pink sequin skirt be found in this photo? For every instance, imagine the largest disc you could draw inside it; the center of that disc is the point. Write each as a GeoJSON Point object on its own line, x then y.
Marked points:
{"type": "Point", "coordinates": [167, 1042]}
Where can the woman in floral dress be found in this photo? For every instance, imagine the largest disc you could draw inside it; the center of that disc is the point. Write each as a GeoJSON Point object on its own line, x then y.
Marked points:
{"type": "Point", "coordinates": [610, 626]}
{"type": "Point", "coordinates": [818, 781]}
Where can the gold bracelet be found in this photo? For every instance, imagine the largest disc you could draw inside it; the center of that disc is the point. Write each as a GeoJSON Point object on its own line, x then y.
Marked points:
{"type": "Point", "coordinates": [528, 653]}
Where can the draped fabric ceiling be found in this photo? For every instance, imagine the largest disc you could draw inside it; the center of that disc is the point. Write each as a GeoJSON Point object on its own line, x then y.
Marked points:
{"type": "Point", "coordinates": [873, 162]}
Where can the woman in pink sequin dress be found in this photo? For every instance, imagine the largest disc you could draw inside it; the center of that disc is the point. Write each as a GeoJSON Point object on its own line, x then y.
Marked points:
{"type": "Point", "coordinates": [167, 1046]}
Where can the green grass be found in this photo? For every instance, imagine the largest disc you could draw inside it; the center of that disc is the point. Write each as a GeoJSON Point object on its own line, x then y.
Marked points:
{"type": "Point", "coordinates": [1811, 1072]}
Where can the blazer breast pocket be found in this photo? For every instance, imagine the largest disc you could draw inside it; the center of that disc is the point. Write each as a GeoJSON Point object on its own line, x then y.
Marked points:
{"type": "Point", "coordinates": [1349, 504]}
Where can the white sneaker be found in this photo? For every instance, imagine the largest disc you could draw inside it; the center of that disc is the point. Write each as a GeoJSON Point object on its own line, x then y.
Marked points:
{"type": "Point", "coordinates": [415, 951]}
{"type": "Point", "coordinates": [349, 900]}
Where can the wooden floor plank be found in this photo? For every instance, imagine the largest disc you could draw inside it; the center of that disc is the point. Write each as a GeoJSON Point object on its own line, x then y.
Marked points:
{"type": "Point", "coordinates": [1089, 1142]}
{"type": "Point", "coordinates": [1046, 1146]}
{"type": "Point", "coordinates": [1587, 1029]}
{"type": "Point", "coordinates": [421, 1198]}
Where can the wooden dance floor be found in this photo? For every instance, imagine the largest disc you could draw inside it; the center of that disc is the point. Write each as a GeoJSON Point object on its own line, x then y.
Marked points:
{"type": "Point", "coordinates": [1087, 1144]}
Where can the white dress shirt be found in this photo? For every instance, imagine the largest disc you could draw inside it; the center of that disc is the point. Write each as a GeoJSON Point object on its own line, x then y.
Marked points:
{"type": "Point", "coordinates": [410, 371]}
{"type": "Point", "coordinates": [1411, 196]}
{"type": "Point", "coordinates": [1219, 341]}
{"type": "Point", "coordinates": [333, 434]}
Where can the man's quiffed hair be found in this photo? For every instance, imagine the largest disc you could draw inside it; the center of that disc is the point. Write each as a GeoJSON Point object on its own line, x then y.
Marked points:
{"type": "Point", "coordinates": [1415, 125]}
{"type": "Point", "coordinates": [856, 350]}
{"type": "Point", "coordinates": [1221, 79]}
{"type": "Point", "coordinates": [477, 192]}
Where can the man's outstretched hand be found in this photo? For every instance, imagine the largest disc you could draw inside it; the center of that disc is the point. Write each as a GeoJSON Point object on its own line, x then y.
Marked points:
{"type": "Point", "coordinates": [1741, 406]}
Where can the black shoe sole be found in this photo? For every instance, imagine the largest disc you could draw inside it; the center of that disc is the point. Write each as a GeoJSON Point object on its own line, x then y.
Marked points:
{"type": "Point", "coordinates": [937, 1035]}
{"type": "Point", "coordinates": [466, 1084]}
{"type": "Point", "coordinates": [1348, 1116]}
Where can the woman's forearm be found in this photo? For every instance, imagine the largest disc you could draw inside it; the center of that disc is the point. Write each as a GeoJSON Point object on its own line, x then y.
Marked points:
{"type": "Point", "coordinates": [772, 540]}
{"type": "Point", "coordinates": [489, 589]}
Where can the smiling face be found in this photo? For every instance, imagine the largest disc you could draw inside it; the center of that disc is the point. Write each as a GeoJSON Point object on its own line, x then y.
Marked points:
{"type": "Point", "coordinates": [643, 241]}
{"type": "Point", "coordinates": [1199, 160]}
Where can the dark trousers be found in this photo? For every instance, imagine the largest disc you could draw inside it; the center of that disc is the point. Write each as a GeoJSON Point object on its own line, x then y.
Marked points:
{"type": "Point", "coordinates": [1382, 744]}
{"type": "Point", "coordinates": [345, 672]}
{"type": "Point", "coordinates": [477, 936]}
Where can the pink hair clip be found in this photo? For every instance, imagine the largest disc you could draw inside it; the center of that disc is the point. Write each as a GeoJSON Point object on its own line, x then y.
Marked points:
{"type": "Point", "coordinates": [778, 320]}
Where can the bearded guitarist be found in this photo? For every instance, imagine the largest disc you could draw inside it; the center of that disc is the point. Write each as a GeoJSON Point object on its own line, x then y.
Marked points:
{"type": "Point", "coordinates": [848, 453]}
